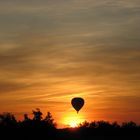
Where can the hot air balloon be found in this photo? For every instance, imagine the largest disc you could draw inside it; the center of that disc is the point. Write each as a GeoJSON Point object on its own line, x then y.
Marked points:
{"type": "Point", "coordinates": [77, 103]}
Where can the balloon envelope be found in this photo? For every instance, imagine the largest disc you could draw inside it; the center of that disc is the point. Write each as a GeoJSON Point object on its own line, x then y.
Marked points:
{"type": "Point", "coordinates": [77, 103]}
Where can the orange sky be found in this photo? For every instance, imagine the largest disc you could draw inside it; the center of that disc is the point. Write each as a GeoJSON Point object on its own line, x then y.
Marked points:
{"type": "Point", "coordinates": [52, 51]}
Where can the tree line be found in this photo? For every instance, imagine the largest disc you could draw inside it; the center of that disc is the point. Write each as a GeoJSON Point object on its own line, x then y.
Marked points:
{"type": "Point", "coordinates": [39, 127]}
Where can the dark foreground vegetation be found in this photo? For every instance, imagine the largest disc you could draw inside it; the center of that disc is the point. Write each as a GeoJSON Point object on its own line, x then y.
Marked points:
{"type": "Point", "coordinates": [45, 129]}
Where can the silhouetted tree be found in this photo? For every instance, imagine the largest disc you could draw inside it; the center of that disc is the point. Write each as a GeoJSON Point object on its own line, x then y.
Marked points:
{"type": "Point", "coordinates": [7, 119]}
{"type": "Point", "coordinates": [115, 125]}
{"type": "Point", "coordinates": [93, 125]}
{"type": "Point", "coordinates": [103, 124]}
{"type": "Point", "coordinates": [130, 124]}
{"type": "Point", "coordinates": [85, 124]}
{"type": "Point", "coordinates": [37, 115]}
{"type": "Point", "coordinates": [49, 120]}
{"type": "Point", "coordinates": [26, 118]}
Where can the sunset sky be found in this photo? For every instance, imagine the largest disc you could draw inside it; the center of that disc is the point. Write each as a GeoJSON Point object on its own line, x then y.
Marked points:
{"type": "Point", "coordinates": [54, 50]}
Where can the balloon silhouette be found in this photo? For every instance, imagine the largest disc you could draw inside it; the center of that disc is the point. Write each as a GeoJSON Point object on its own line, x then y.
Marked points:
{"type": "Point", "coordinates": [77, 103]}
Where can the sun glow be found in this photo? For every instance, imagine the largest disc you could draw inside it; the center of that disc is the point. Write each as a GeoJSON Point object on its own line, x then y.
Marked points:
{"type": "Point", "coordinates": [73, 120]}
